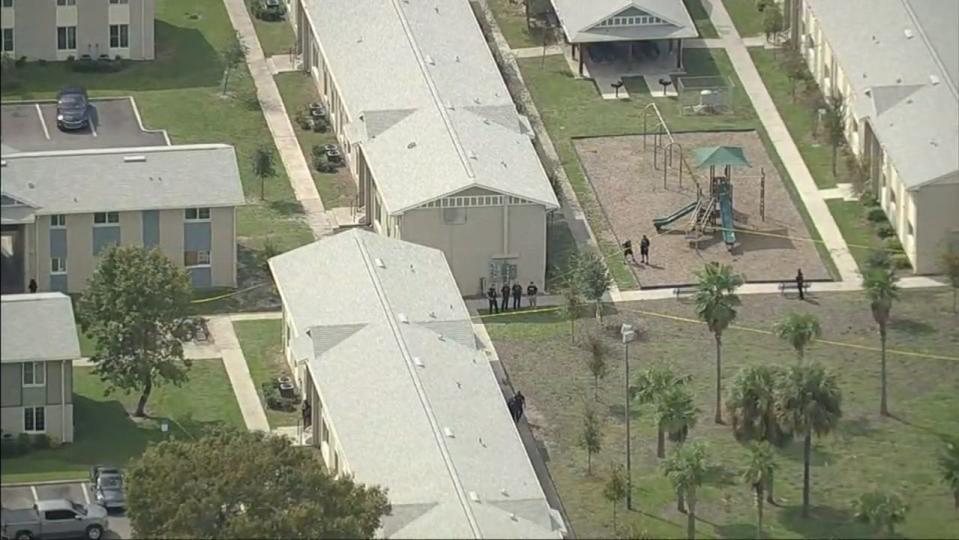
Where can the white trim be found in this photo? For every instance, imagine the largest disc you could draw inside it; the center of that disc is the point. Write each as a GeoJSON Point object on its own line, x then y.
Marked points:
{"type": "Point", "coordinates": [33, 371]}
{"type": "Point", "coordinates": [198, 219]}
{"type": "Point", "coordinates": [107, 223]}
{"type": "Point", "coordinates": [58, 272]}
{"type": "Point", "coordinates": [23, 419]}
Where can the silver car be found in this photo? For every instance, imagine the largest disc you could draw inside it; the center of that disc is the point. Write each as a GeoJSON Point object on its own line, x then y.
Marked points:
{"type": "Point", "coordinates": [106, 483]}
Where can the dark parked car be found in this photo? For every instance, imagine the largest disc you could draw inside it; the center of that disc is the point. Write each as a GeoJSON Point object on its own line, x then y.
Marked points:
{"type": "Point", "coordinates": [73, 109]}
{"type": "Point", "coordinates": [107, 486]}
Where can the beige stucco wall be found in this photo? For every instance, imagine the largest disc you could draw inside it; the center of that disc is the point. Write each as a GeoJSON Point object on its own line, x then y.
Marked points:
{"type": "Point", "coordinates": [80, 260]}
{"type": "Point", "coordinates": [470, 247]}
{"type": "Point", "coordinates": [223, 247]}
{"type": "Point", "coordinates": [938, 223]}
{"type": "Point", "coordinates": [142, 29]}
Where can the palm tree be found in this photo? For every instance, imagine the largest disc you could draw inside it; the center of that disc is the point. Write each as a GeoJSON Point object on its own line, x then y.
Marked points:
{"type": "Point", "coordinates": [949, 465]}
{"type": "Point", "coordinates": [751, 404]}
{"type": "Point", "coordinates": [882, 509]}
{"type": "Point", "coordinates": [808, 401]}
{"type": "Point", "coordinates": [685, 469]}
{"type": "Point", "coordinates": [716, 304]}
{"type": "Point", "coordinates": [880, 287]}
{"type": "Point", "coordinates": [800, 330]}
{"type": "Point", "coordinates": [676, 412]}
{"type": "Point", "coordinates": [650, 386]}
{"type": "Point", "coordinates": [758, 475]}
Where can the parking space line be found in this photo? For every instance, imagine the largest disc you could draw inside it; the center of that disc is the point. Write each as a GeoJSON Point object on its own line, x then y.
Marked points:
{"type": "Point", "coordinates": [86, 492]}
{"type": "Point", "coordinates": [43, 123]}
{"type": "Point", "coordinates": [93, 127]}
{"type": "Point", "coordinates": [36, 497]}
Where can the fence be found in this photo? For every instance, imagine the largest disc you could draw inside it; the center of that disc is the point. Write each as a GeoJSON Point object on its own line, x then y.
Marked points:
{"type": "Point", "coordinates": [705, 95]}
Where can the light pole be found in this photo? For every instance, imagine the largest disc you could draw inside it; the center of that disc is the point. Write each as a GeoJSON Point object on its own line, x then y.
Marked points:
{"type": "Point", "coordinates": [628, 334]}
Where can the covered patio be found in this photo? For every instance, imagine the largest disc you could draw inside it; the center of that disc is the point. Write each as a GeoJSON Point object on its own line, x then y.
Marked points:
{"type": "Point", "coordinates": [611, 39]}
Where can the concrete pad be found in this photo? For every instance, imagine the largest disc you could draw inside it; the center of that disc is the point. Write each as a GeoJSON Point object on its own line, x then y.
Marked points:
{"type": "Point", "coordinates": [74, 492]}
{"type": "Point", "coordinates": [656, 89]}
{"type": "Point", "coordinates": [841, 191]}
{"type": "Point", "coordinates": [16, 497]}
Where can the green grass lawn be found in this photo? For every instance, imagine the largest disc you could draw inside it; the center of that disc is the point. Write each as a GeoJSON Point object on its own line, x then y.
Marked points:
{"type": "Point", "coordinates": [856, 230]}
{"type": "Point", "coordinates": [262, 346]}
{"type": "Point", "coordinates": [180, 91]}
{"type": "Point", "coordinates": [701, 19]}
{"type": "Point", "coordinates": [572, 108]}
{"type": "Point", "coordinates": [276, 37]}
{"type": "Point", "coordinates": [106, 433]}
{"type": "Point", "coordinates": [747, 19]}
{"type": "Point", "coordinates": [511, 18]}
{"type": "Point", "coordinates": [867, 452]}
{"type": "Point", "coordinates": [298, 91]}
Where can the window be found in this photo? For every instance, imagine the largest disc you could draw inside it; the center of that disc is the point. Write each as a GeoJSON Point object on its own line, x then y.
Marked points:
{"type": "Point", "coordinates": [58, 221]}
{"type": "Point", "coordinates": [7, 3]}
{"type": "Point", "coordinates": [197, 214]}
{"type": "Point", "coordinates": [106, 218]}
{"type": "Point", "coordinates": [119, 1]}
{"type": "Point", "coordinates": [119, 36]}
{"type": "Point", "coordinates": [66, 38]}
{"type": "Point", "coordinates": [454, 216]}
{"type": "Point", "coordinates": [58, 265]}
{"type": "Point", "coordinates": [34, 420]}
{"type": "Point", "coordinates": [63, 3]}
{"type": "Point", "coordinates": [196, 258]}
{"type": "Point", "coordinates": [7, 40]}
{"type": "Point", "coordinates": [34, 374]}
{"type": "Point", "coordinates": [59, 515]}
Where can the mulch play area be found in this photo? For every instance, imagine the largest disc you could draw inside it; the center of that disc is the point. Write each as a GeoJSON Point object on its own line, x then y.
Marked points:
{"type": "Point", "coordinates": [631, 193]}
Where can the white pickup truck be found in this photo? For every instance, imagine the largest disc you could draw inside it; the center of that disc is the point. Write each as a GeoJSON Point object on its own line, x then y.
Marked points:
{"type": "Point", "coordinates": [55, 518]}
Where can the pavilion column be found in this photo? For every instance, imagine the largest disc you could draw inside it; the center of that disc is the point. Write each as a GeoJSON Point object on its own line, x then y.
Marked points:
{"type": "Point", "coordinates": [582, 53]}
{"type": "Point", "coordinates": [573, 46]}
{"type": "Point", "coordinates": [679, 54]}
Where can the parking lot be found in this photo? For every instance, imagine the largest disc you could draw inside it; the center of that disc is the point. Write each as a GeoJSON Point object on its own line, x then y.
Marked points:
{"type": "Point", "coordinates": [32, 127]}
{"type": "Point", "coordinates": [25, 496]}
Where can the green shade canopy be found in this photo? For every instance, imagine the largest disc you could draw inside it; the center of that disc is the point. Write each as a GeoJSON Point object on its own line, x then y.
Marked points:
{"type": "Point", "coordinates": [720, 156]}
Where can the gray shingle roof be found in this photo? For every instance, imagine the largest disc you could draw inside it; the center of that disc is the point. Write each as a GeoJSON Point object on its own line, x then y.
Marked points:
{"type": "Point", "coordinates": [427, 102]}
{"type": "Point", "coordinates": [158, 177]}
{"type": "Point", "coordinates": [37, 327]}
{"type": "Point", "coordinates": [579, 17]}
{"type": "Point", "coordinates": [351, 293]}
{"type": "Point", "coordinates": [892, 76]}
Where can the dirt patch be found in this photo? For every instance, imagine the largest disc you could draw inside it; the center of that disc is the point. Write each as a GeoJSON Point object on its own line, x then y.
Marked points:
{"type": "Point", "coordinates": [630, 189]}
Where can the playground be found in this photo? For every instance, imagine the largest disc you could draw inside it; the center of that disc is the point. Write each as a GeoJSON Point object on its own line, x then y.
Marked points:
{"type": "Point", "coordinates": [699, 197]}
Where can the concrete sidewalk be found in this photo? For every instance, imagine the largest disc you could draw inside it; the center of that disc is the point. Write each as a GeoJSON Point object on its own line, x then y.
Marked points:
{"type": "Point", "coordinates": [781, 139]}
{"type": "Point", "coordinates": [221, 328]}
{"type": "Point", "coordinates": [278, 121]}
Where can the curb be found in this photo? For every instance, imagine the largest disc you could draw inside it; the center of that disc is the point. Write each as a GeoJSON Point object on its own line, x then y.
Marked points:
{"type": "Point", "coordinates": [44, 483]}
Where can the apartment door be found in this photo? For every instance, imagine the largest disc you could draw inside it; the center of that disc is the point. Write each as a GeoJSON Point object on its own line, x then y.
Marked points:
{"type": "Point", "coordinates": [11, 259]}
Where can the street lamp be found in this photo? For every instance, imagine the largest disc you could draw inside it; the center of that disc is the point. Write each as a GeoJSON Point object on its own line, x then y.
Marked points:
{"type": "Point", "coordinates": [627, 332]}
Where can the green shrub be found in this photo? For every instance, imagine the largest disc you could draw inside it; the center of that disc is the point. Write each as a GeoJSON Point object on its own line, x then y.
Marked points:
{"type": "Point", "coordinates": [893, 245]}
{"type": "Point", "coordinates": [878, 259]}
{"type": "Point", "coordinates": [869, 200]}
{"type": "Point", "coordinates": [901, 261]}
{"type": "Point", "coordinates": [20, 62]}
{"type": "Point", "coordinates": [11, 446]}
{"type": "Point", "coordinates": [40, 441]}
{"type": "Point", "coordinates": [876, 215]}
{"type": "Point", "coordinates": [885, 230]}
{"type": "Point", "coordinates": [105, 65]}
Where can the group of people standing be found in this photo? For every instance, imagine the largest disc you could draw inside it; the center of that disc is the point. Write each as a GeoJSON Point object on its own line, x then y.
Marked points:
{"type": "Point", "coordinates": [499, 300]}
{"type": "Point", "coordinates": [643, 251]}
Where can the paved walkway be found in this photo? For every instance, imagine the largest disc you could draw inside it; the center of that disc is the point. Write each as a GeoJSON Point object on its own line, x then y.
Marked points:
{"type": "Point", "coordinates": [536, 52]}
{"type": "Point", "coordinates": [845, 192]}
{"type": "Point", "coordinates": [281, 63]}
{"type": "Point", "coordinates": [785, 146]}
{"type": "Point", "coordinates": [278, 121]}
{"type": "Point", "coordinates": [221, 328]}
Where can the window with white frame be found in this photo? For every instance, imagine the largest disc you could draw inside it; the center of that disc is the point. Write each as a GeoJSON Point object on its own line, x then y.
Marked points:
{"type": "Point", "coordinates": [34, 374]}
{"type": "Point", "coordinates": [106, 218]}
{"type": "Point", "coordinates": [64, 3]}
{"type": "Point", "coordinates": [640, 20]}
{"type": "Point", "coordinates": [7, 3]}
{"type": "Point", "coordinates": [58, 265]}
{"type": "Point", "coordinates": [66, 38]}
{"type": "Point", "coordinates": [196, 258]}
{"type": "Point", "coordinates": [119, 36]}
{"type": "Point", "coordinates": [7, 42]}
{"type": "Point", "coordinates": [58, 221]}
{"type": "Point", "coordinates": [196, 214]}
{"type": "Point", "coordinates": [119, 1]}
{"type": "Point", "coordinates": [34, 420]}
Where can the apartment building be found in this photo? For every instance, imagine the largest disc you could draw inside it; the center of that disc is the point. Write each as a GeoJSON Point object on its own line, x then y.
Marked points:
{"type": "Point", "coordinates": [59, 29]}
{"type": "Point", "coordinates": [896, 65]}
{"type": "Point", "coordinates": [38, 344]}
{"type": "Point", "coordinates": [439, 153]}
{"type": "Point", "coordinates": [61, 209]}
{"type": "Point", "coordinates": [400, 394]}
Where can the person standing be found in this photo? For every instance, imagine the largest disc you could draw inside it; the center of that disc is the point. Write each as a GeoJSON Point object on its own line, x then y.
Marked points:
{"type": "Point", "coordinates": [800, 284]}
{"type": "Point", "coordinates": [644, 250]}
{"type": "Point", "coordinates": [628, 251]}
{"type": "Point", "coordinates": [517, 295]}
{"type": "Point", "coordinates": [32, 286]}
{"type": "Point", "coordinates": [504, 294]}
{"type": "Point", "coordinates": [520, 404]}
{"type": "Point", "coordinates": [491, 295]}
{"type": "Point", "coordinates": [531, 292]}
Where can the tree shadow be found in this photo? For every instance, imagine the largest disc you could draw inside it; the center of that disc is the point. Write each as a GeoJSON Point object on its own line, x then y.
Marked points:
{"type": "Point", "coordinates": [737, 530]}
{"type": "Point", "coordinates": [823, 522]}
{"type": "Point", "coordinates": [857, 427]}
{"type": "Point", "coordinates": [718, 475]}
{"type": "Point", "coordinates": [818, 457]}
{"type": "Point", "coordinates": [912, 327]}
{"type": "Point", "coordinates": [286, 208]}
{"type": "Point", "coordinates": [927, 429]}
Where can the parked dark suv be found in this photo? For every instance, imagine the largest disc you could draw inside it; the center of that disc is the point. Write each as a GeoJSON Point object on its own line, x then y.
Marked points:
{"type": "Point", "coordinates": [73, 109]}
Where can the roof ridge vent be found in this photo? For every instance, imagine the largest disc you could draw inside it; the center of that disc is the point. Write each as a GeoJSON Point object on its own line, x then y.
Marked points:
{"type": "Point", "coordinates": [504, 492]}
{"type": "Point", "coordinates": [411, 145]}
{"type": "Point", "coordinates": [472, 154]}
{"type": "Point", "coordinates": [448, 432]}
{"type": "Point", "coordinates": [418, 361]}
{"type": "Point", "coordinates": [430, 61]}
{"type": "Point", "coordinates": [379, 263]}
{"type": "Point", "coordinates": [934, 79]}
{"type": "Point", "coordinates": [908, 32]}
{"type": "Point", "coordinates": [402, 318]}
{"type": "Point", "coordinates": [474, 496]}
{"type": "Point", "coordinates": [134, 159]}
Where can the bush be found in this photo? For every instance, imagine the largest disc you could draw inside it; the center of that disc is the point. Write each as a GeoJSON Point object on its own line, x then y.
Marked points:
{"type": "Point", "coordinates": [71, 59]}
{"type": "Point", "coordinates": [893, 245]}
{"type": "Point", "coordinates": [12, 446]}
{"type": "Point", "coordinates": [869, 200]}
{"type": "Point", "coordinates": [885, 230]}
{"type": "Point", "coordinates": [901, 261]}
{"type": "Point", "coordinates": [86, 65]}
{"type": "Point", "coordinates": [55, 442]}
{"type": "Point", "coordinates": [761, 4]}
{"type": "Point", "coordinates": [276, 401]}
{"type": "Point", "coordinates": [41, 62]}
{"type": "Point", "coordinates": [20, 62]}
{"type": "Point", "coordinates": [878, 259]}
{"type": "Point", "coordinates": [302, 118]}
{"type": "Point", "coordinates": [876, 215]}
{"type": "Point", "coordinates": [40, 441]}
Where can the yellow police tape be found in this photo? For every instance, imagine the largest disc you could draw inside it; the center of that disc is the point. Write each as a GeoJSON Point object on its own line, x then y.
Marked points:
{"type": "Point", "coordinates": [737, 327]}
{"type": "Point", "coordinates": [227, 295]}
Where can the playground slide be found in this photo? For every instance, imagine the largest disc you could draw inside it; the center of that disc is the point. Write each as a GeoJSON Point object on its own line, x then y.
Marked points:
{"type": "Point", "coordinates": [726, 215]}
{"type": "Point", "coordinates": [659, 223]}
